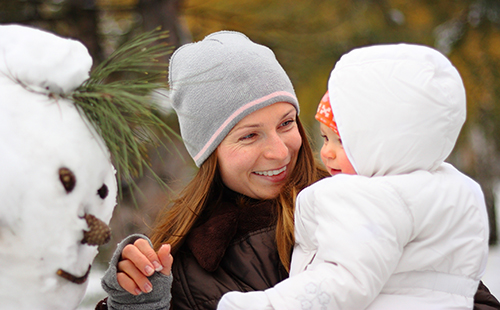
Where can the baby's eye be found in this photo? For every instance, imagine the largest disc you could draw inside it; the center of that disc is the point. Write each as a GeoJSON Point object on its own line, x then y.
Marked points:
{"type": "Point", "coordinates": [325, 138]}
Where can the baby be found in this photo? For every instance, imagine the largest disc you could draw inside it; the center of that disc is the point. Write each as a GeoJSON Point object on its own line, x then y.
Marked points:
{"type": "Point", "coordinates": [395, 227]}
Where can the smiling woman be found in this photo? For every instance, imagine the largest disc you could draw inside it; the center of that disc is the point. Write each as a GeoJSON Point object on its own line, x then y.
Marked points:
{"type": "Point", "coordinates": [232, 226]}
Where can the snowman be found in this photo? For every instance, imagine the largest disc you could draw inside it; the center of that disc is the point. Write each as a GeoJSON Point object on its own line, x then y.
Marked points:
{"type": "Point", "coordinates": [58, 186]}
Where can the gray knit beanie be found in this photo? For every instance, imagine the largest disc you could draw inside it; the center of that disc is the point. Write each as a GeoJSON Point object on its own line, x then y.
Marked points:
{"type": "Point", "coordinates": [216, 82]}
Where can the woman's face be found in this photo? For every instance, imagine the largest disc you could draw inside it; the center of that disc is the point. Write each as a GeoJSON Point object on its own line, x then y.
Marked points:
{"type": "Point", "coordinates": [260, 152]}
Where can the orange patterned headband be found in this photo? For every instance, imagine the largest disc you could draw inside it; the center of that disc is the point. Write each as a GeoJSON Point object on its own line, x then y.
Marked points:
{"type": "Point", "coordinates": [324, 113]}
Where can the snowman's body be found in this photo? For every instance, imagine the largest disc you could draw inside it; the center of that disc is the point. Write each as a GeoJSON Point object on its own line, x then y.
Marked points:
{"type": "Point", "coordinates": [54, 170]}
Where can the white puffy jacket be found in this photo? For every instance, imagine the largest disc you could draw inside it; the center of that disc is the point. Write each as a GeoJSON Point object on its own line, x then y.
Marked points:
{"type": "Point", "coordinates": [409, 231]}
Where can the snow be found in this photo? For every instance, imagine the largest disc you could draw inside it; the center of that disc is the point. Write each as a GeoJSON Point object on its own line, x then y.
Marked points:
{"type": "Point", "coordinates": [41, 60]}
{"type": "Point", "coordinates": [41, 224]}
{"type": "Point", "coordinates": [95, 292]}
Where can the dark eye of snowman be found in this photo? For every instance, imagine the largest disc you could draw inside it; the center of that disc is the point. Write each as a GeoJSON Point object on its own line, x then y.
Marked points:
{"type": "Point", "coordinates": [103, 191]}
{"type": "Point", "coordinates": [67, 179]}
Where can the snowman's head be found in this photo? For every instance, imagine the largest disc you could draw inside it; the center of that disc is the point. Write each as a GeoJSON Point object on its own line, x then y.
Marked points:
{"type": "Point", "coordinates": [57, 184]}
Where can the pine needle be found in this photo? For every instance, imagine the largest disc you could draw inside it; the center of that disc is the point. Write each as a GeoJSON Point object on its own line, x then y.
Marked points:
{"type": "Point", "coordinates": [122, 110]}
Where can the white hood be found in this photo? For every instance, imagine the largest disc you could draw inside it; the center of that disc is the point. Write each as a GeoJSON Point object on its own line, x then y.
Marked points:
{"type": "Point", "coordinates": [398, 108]}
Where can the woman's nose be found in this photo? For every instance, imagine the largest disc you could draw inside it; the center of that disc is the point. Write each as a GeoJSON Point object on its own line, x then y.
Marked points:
{"type": "Point", "coordinates": [276, 147]}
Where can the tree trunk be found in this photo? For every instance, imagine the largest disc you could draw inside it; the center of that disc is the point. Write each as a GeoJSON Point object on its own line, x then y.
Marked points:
{"type": "Point", "coordinates": [165, 13]}
{"type": "Point", "coordinates": [83, 22]}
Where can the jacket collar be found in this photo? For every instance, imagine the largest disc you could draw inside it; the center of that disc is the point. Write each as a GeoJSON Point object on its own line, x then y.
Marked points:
{"type": "Point", "coordinates": [230, 220]}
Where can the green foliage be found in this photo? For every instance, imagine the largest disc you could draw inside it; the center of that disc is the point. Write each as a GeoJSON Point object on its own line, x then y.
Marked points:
{"type": "Point", "coordinates": [117, 101]}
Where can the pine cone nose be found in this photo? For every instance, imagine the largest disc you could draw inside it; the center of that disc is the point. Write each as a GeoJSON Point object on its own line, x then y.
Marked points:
{"type": "Point", "coordinates": [99, 232]}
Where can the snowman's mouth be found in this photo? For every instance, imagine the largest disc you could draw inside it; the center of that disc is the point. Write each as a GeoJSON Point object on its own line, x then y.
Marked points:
{"type": "Point", "coordinates": [68, 276]}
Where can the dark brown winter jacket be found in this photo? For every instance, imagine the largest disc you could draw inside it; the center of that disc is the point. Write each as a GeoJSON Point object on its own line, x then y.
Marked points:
{"type": "Point", "coordinates": [234, 250]}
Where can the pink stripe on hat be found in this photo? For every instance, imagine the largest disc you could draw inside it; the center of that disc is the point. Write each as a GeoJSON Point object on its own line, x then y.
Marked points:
{"type": "Point", "coordinates": [235, 114]}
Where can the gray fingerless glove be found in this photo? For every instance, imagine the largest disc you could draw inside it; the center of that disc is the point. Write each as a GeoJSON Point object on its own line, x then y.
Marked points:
{"type": "Point", "coordinates": [120, 299]}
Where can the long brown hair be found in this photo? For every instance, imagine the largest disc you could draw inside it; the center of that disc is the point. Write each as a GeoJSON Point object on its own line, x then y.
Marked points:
{"type": "Point", "coordinates": [206, 188]}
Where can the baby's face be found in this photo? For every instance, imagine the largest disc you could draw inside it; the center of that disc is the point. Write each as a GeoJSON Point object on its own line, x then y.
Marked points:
{"type": "Point", "coordinates": [333, 154]}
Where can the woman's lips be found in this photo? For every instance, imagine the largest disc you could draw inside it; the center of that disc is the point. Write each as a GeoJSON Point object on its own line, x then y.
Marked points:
{"type": "Point", "coordinates": [274, 175]}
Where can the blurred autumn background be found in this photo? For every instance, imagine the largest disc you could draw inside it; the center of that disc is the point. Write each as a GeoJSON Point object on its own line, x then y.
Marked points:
{"type": "Point", "coordinates": [308, 37]}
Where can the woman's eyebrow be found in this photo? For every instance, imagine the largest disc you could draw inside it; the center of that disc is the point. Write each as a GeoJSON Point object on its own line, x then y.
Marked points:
{"type": "Point", "coordinates": [244, 127]}
{"type": "Point", "coordinates": [288, 113]}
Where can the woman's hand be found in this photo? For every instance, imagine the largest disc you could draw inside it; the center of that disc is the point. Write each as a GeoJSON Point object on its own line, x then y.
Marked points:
{"type": "Point", "coordinates": [140, 261]}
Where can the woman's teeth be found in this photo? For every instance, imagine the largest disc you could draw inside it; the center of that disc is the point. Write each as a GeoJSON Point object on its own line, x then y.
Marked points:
{"type": "Point", "coordinates": [271, 172]}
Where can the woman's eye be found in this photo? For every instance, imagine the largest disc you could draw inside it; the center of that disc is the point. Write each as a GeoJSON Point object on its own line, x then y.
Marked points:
{"type": "Point", "coordinates": [287, 123]}
{"type": "Point", "coordinates": [249, 136]}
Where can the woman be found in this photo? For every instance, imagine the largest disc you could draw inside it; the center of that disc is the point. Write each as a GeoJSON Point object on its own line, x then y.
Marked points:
{"type": "Point", "coordinates": [232, 226]}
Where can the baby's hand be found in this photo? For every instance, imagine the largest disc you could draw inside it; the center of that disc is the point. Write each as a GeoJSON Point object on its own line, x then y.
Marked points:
{"type": "Point", "coordinates": [140, 261]}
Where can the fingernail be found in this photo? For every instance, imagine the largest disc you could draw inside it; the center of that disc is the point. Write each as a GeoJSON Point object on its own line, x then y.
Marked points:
{"type": "Point", "coordinates": [165, 245]}
{"type": "Point", "coordinates": [148, 288]}
{"type": "Point", "coordinates": [158, 266]}
{"type": "Point", "coordinates": [138, 292]}
{"type": "Point", "coordinates": [149, 270]}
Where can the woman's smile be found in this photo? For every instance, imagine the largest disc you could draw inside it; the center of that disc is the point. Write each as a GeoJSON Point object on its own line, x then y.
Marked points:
{"type": "Point", "coordinates": [271, 172]}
